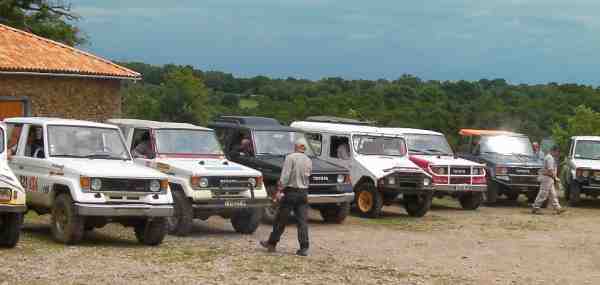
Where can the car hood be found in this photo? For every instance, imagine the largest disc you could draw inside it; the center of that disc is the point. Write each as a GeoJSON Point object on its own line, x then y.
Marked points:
{"type": "Point", "coordinates": [445, 160]}
{"type": "Point", "coordinates": [512, 160]}
{"type": "Point", "coordinates": [206, 167]}
{"type": "Point", "coordinates": [383, 165]}
{"type": "Point", "coordinates": [107, 168]}
{"type": "Point", "coordinates": [318, 165]}
{"type": "Point", "coordinates": [586, 163]}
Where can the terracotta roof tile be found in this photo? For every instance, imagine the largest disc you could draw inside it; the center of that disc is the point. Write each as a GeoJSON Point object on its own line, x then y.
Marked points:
{"type": "Point", "coordinates": [25, 52]}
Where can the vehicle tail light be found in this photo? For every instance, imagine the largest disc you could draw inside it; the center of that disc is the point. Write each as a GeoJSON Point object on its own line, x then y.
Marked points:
{"type": "Point", "coordinates": [479, 180]}
{"type": "Point", "coordinates": [85, 182]}
{"type": "Point", "coordinates": [164, 185]}
{"type": "Point", "coordinates": [501, 170]}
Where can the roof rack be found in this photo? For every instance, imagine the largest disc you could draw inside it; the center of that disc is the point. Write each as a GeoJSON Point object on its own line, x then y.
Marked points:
{"type": "Point", "coordinates": [338, 120]}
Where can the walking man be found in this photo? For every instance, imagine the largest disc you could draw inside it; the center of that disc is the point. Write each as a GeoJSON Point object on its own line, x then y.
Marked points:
{"type": "Point", "coordinates": [537, 152]}
{"type": "Point", "coordinates": [548, 183]}
{"type": "Point", "coordinates": [292, 196]}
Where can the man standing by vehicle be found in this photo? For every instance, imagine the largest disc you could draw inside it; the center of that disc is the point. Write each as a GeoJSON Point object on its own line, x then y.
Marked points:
{"type": "Point", "coordinates": [292, 196]}
{"type": "Point", "coordinates": [549, 180]}
{"type": "Point", "coordinates": [537, 152]}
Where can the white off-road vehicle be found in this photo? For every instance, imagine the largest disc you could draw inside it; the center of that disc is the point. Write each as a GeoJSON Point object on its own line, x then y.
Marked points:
{"type": "Point", "coordinates": [203, 182]}
{"type": "Point", "coordinates": [581, 171]}
{"type": "Point", "coordinates": [12, 199]}
{"type": "Point", "coordinates": [82, 174]}
{"type": "Point", "coordinates": [380, 168]}
{"type": "Point", "coordinates": [451, 175]}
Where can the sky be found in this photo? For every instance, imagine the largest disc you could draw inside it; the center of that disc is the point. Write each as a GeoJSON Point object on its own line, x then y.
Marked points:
{"type": "Point", "coordinates": [522, 41]}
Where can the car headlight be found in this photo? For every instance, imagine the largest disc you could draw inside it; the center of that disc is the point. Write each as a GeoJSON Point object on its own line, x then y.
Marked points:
{"type": "Point", "coordinates": [440, 170]}
{"type": "Point", "coordinates": [477, 171]}
{"type": "Point", "coordinates": [154, 185]}
{"type": "Point", "coordinates": [252, 181]}
{"type": "Point", "coordinates": [391, 180]}
{"type": "Point", "coordinates": [203, 182]}
{"type": "Point", "coordinates": [96, 184]}
{"type": "Point", "coordinates": [341, 178]}
{"type": "Point", "coordinates": [501, 170]}
{"type": "Point", "coordinates": [5, 194]}
{"type": "Point", "coordinates": [426, 182]}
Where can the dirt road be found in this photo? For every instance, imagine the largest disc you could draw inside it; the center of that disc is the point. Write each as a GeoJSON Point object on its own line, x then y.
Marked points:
{"type": "Point", "coordinates": [499, 245]}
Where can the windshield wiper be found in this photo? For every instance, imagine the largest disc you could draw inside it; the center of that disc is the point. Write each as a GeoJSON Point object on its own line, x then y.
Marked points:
{"type": "Point", "coordinates": [416, 150]}
{"type": "Point", "coordinates": [67, 155]}
{"type": "Point", "coordinates": [438, 151]}
{"type": "Point", "coordinates": [103, 156]}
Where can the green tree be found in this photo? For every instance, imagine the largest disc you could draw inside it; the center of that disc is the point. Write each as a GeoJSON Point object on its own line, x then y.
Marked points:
{"type": "Point", "coordinates": [583, 122]}
{"type": "Point", "coordinates": [184, 97]}
{"type": "Point", "coordinates": [46, 18]}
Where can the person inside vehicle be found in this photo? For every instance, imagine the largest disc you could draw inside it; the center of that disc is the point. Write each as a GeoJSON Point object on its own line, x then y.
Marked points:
{"type": "Point", "coordinates": [143, 148]}
{"type": "Point", "coordinates": [343, 151]}
{"type": "Point", "coordinates": [245, 146]}
{"type": "Point", "coordinates": [35, 143]}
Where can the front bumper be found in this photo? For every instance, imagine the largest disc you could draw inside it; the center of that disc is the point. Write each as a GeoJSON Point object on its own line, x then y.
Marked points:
{"type": "Point", "coordinates": [460, 187]}
{"type": "Point", "coordinates": [5, 208]}
{"type": "Point", "coordinates": [330, 198]}
{"type": "Point", "coordinates": [124, 210]}
{"type": "Point", "coordinates": [223, 204]}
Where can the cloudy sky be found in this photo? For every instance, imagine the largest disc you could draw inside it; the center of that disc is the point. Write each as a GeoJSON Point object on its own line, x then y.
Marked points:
{"type": "Point", "coordinates": [523, 41]}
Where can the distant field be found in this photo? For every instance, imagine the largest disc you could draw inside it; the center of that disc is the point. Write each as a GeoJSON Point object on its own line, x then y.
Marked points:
{"type": "Point", "coordinates": [248, 103]}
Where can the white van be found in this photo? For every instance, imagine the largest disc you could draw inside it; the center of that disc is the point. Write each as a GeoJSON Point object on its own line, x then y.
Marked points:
{"type": "Point", "coordinates": [379, 166]}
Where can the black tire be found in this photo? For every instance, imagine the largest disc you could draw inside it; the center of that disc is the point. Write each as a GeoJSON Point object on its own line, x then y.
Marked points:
{"type": "Point", "coordinates": [417, 205]}
{"type": "Point", "coordinates": [246, 221]}
{"type": "Point", "coordinates": [335, 213]}
{"type": "Point", "coordinates": [10, 229]}
{"type": "Point", "coordinates": [181, 222]}
{"type": "Point", "coordinates": [512, 196]}
{"type": "Point", "coordinates": [574, 194]}
{"type": "Point", "coordinates": [369, 201]}
{"type": "Point", "coordinates": [491, 195]}
{"type": "Point", "coordinates": [67, 227]}
{"type": "Point", "coordinates": [470, 201]}
{"type": "Point", "coordinates": [151, 232]}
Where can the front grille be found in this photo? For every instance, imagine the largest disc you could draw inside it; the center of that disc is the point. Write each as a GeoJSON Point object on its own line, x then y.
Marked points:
{"type": "Point", "coordinates": [523, 180]}
{"type": "Point", "coordinates": [125, 185]}
{"type": "Point", "coordinates": [317, 179]}
{"type": "Point", "coordinates": [460, 180]}
{"type": "Point", "coordinates": [522, 171]}
{"type": "Point", "coordinates": [225, 182]}
{"type": "Point", "coordinates": [460, 171]}
{"type": "Point", "coordinates": [405, 179]}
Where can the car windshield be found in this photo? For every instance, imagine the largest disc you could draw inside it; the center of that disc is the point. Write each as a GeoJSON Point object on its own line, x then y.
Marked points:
{"type": "Point", "coordinates": [428, 144]}
{"type": "Point", "coordinates": [379, 145]}
{"type": "Point", "coordinates": [279, 142]}
{"type": "Point", "coordinates": [86, 142]}
{"type": "Point", "coordinates": [510, 145]}
{"type": "Point", "coordinates": [587, 150]}
{"type": "Point", "coordinates": [173, 141]}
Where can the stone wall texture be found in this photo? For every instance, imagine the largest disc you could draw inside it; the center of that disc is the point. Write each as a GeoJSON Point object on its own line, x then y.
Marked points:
{"type": "Point", "coordinates": [66, 97]}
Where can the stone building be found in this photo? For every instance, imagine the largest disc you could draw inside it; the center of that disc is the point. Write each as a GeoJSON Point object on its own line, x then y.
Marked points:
{"type": "Point", "coordinates": [41, 77]}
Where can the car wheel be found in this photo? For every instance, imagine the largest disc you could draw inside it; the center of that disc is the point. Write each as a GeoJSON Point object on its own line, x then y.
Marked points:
{"type": "Point", "coordinates": [151, 232]}
{"type": "Point", "coordinates": [67, 227]}
{"type": "Point", "coordinates": [245, 221]}
{"type": "Point", "coordinates": [10, 229]}
{"type": "Point", "coordinates": [181, 222]}
{"type": "Point", "coordinates": [369, 201]}
{"type": "Point", "coordinates": [470, 201]}
{"type": "Point", "coordinates": [417, 205]}
{"type": "Point", "coordinates": [335, 213]}
{"type": "Point", "coordinates": [574, 194]}
{"type": "Point", "coordinates": [491, 195]}
{"type": "Point", "coordinates": [512, 196]}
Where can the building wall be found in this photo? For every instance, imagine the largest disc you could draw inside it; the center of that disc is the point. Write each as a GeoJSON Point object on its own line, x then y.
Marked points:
{"type": "Point", "coordinates": [66, 97]}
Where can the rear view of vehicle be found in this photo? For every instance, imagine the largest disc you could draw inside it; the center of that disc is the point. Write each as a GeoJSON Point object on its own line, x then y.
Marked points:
{"type": "Point", "coordinates": [12, 199]}
{"type": "Point", "coordinates": [450, 175]}
{"type": "Point", "coordinates": [511, 166]}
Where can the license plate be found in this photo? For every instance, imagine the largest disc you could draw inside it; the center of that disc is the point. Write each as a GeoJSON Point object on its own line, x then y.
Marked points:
{"type": "Point", "coordinates": [235, 204]}
{"type": "Point", "coordinates": [463, 187]}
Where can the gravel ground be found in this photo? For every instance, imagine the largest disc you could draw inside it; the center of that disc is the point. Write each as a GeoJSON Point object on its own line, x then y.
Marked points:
{"type": "Point", "coordinates": [499, 245]}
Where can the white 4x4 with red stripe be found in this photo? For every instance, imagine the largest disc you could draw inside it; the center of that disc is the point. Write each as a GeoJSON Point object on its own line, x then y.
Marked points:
{"type": "Point", "coordinates": [451, 175]}
{"type": "Point", "coordinates": [83, 175]}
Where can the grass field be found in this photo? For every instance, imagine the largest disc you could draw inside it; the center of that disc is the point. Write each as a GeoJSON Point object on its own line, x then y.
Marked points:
{"type": "Point", "coordinates": [248, 103]}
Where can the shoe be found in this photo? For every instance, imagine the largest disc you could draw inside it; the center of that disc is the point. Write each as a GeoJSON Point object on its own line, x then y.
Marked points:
{"type": "Point", "coordinates": [536, 211]}
{"type": "Point", "coordinates": [267, 245]}
{"type": "Point", "coordinates": [560, 211]}
{"type": "Point", "coordinates": [302, 252]}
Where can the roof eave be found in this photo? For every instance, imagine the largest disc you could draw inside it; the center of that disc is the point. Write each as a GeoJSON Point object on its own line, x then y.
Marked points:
{"type": "Point", "coordinates": [52, 74]}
